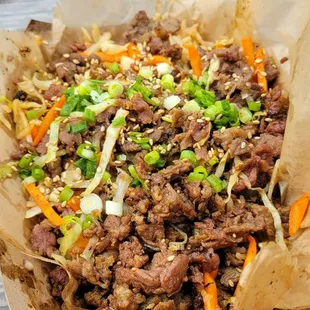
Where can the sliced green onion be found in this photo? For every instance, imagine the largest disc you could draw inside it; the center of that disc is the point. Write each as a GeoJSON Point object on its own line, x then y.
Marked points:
{"type": "Point", "coordinates": [216, 183]}
{"type": "Point", "coordinates": [89, 219]}
{"type": "Point", "coordinates": [81, 163]}
{"type": "Point", "coordinates": [152, 158]}
{"type": "Point", "coordinates": [201, 170]}
{"type": "Point", "coordinates": [188, 88]}
{"type": "Point", "coordinates": [203, 80]}
{"type": "Point", "coordinates": [121, 157]}
{"type": "Point", "coordinates": [79, 127]}
{"type": "Point", "coordinates": [37, 173]}
{"type": "Point", "coordinates": [130, 93]}
{"type": "Point", "coordinates": [100, 107]}
{"type": "Point", "coordinates": [106, 176]}
{"type": "Point", "coordinates": [245, 115]}
{"type": "Point", "coordinates": [214, 160]}
{"type": "Point", "coordinates": [136, 180]}
{"type": "Point", "coordinates": [195, 176]}
{"type": "Point", "coordinates": [70, 105]}
{"type": "Point", "coordinates": [167, 82]}
{"type": "Point", "coordinates": [118, 122]}
{"type": "Point", "coordinates": [146, 72]}
{"type": "Point", "coordinates": [86, 87]}
{"type": "Point", "coordinates": [91, 167]}
{"type": "Point", "coordinates": [224, 107]}
{"type": "Point", "coordinates": [146, 93]}
{"type": "Point", "coordinates": [136, 137]}
{"type": "Point", "coordinates": [115, 89]}
{"type": "Point", "coordinates": [220, 122]}
{"type": "Point", "coordinates": [66, 194]}
{"type": "Point", "coordinates": [24, 173]}
{"type": "Point", "coordinates": [254, 106]}
{"type": "Point", "coordinates": [191, 106]}
{"type": "Point", "coordinates": [32, 114]}
{"type": "Point", "coordinates": [160, 163]}
{"type": "Point", "coordinates": [89, 115]}
{"type": "Point", "coordinates": [164, 68]}
{"type": "Point", "coordinates": [190, 155]}
{"type": "Point", "coordinates": [99, 97]}
{"type": "Point", "coordinates": [25, 161]}
{"type": "Point", "coordinates": [205, 98]}
{"type": "Point", "coordinates": [167, 118]}
{"type": "Point", "coordinates": [233, 114]}
{"type": "Point", "coordinates": [212, 112]}
{"type": "Point", "coordinates": [171, 101]}
{"type": "Point", "coordinates": [114, 67]}
{"type": "Point", "coordinates": [145, 146]}
{"type": "Point", "coordinates": [82, 104]}
{"type": "Point", "coordinates": [87, 151]}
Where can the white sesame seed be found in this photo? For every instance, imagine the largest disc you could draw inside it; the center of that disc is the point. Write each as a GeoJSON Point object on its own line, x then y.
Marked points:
{"type": "Point", "coordinates": [223, 129]}
{"type": "Point", "coordinates": [231, 283]}
{"type": "Point", "coordinates": [256, 138]}
{"type": "Point", "coordinates": [220, 155]}
{"type": "Point", "coordinates": [243, 145]}
{"type": "Point", "coordinates": [151, 142]}
{"type": "Point", "coordinates": [28, 265]}
{"type": "Point", "coordinates": [63, 204]}
{"type": "Point", "coordinates": [75, 61]}
{"type": "Point", "coordinates": [256, 122]}
{"type": "Point", "coordinates": [87, 142]}
{"type": "Point", "coordinates": [268, 119]}
{"type": "Point", "coordinates": [263, 73]}
{"type": "Point", "coordinates": [200, 120]}
{"type": "Point", "coordinates": [190, 118]}
{"type": "Point", "coordinates": [150, 130]}
{"type": "Point", "coordinates": [249, 135]}
{"type": "Point", "coordinates": [258, 60]}
{"type": "Point", "coordinates": [170, 258]}
{"type": "Point", "coordinates": [248, 84]}
{"type": "Point", "coordinates": [66, 55]}
{"type": "Point", "coordinates": [42, 190]}
{"type": "Point", "coordinates": [169, 147]}
{"type": "Point", "coordinates": [234, 235]}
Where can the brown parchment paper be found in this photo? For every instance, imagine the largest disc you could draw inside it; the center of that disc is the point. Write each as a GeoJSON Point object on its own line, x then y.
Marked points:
{"type": "Point", "coordinates": [276, 278]}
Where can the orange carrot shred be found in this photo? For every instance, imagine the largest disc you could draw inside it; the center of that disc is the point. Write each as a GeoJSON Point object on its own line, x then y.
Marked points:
{"type": "Point", "coordinates": [260, 69]}
{"type": "Point", "coordinates": [44, 205]}
{"type": "Point", "coordinates": [248, 51]}
{"type": "Point", "coordinates": [34, 131]}
{"type": "Point", "coordinates": [84, 53]}
{"type": "Point", "coordinates": [297, 213]}
{"type": "Point", "coordinates": [250, 255]}
{"type": "Point", "coordinates": [194, 59]}
{"type": "Point", "coordinates": [74, 203]}
{"type": "Point", "coordinates": [156, 59]}
{"type": "Point", "coordinates": [133, 51]}
{"type": "Point", "coordinates": [209, 293]}
{"type": "Point", "coordinates": [111, 57]}
{"type": "Point", "coordinates": [82, 242]}
{"type": "Point", "coordinates": [252, 251]}
{"type": "Point", "coordinates": [48, 119]}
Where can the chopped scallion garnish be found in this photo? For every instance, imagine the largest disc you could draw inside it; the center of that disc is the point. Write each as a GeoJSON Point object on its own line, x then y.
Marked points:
{"type": "Point", "coordinates": [190, 155]}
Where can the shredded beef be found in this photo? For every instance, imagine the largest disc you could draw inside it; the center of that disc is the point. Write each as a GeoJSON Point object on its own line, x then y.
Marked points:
{"type": "Point", "coordinates": [118, 228]}
{"type": "Point", "coordinates": [42, 239]}
{"type": "Point", "coordinates": [53, 91]}
{"type": "Point", "coordinates": [277, 126]}
{"type": "Point", "coordinates": [95, 297]}
{"type": "Point", "coordinates": [70, 140]}
{"type": "Point", "coordinates": [66, 71]}
{"type": "Point", "coordinates": [59, 279]}
{"type": "Point", "coordinates": [131, 254]}
{"type": "Point", "coordinates": [54, 167]}
{"type": "Point", "coordinates": [125, 299]}
{"type": "Point", "coordinates": [143, 110]}
{"type": "Point", "coordinates": [167, 26]}
{"type": "Point", "coordinates": [139, 29]}
{"type": "Point", "coordinates": [209, 261]}
{"type": "Point", "coordinates": [230, 277]}
{"type": "Point", "coordinates": [151, 234]}
{"type": "Point", "coordinates": [105, 118]}
{"type": "Point", "coordinates": [275, 102]}
{"type": "Point", "coordinates": [271, 71]}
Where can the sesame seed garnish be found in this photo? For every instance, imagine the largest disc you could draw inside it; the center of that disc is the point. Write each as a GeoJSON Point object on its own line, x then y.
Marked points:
{"type": "Point", "coordinates": [256, 122]}
{"type": "Point", "coordinates": [256, 138]}
{"type": "Point", "coordinates": [249, 135]}
{"type": "Point", "coordinates": [136, 127]}
{"type": "Point", "coordinates": [221, 155]}
{"type": "Point", "coordinates": [234, 235]}
{"type": "Point", "coordinates": [150, 130]}
{"type": "Point", "coordinates": [199, 120]}
{"type": "Point", "coordinates": [170, 258]}
{"type": "Point", "coordinates": [75, 61]}
{"type": "Point", "coordinates": [42, 190]}
{"type": "Point", "coordinates": [66, 55]}
{"type": "Point", "coordinates": [223, 129]}
{"type": "Point", "coordinates": [268, 119]}
{"type": "Point", "coordinates": [231, 283]}
{"type": "Point", "coordinates": [258, 60]}
{"type": "Point", "coordinates": [117, 162]}
{"type": "Point", "coordinates": [169, 147]}
{"type": "Point", "coordinates": [243, 145]}
{"type": "Point", "coordinates": [151, 142]}
{"type": "Point", "coordinates": [190, 118]}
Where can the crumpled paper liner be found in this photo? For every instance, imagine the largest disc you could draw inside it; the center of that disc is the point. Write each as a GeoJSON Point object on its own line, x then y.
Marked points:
{"type": "Point", "coordinates": [276, 278]}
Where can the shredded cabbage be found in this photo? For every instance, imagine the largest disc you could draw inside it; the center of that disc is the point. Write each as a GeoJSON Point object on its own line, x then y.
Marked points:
{"type": "Point", "coordinates": [32, 212]}
{"type": "Point", "coordinates": [4, 109]}
{"type": "Point", "coordinates": [89, 250]}
{"type": "Point", "coordinates": [274, 212]}
{"type": "Point", "coordinates": [274, 178]}
{"type": "Point", "coordinates": [53, 142]}
{"type": "Point", "coordinates": [71, 230]}
{"type": "Point", "coordinates": [28, 87]}
{"type": "Point", "coordinates": [221, 166]}
{"type": "Point", "coordinates": [100, 107]}
{"type": "Point", "coordinates": [214, 66]}
{"type": "Point", "coordinates": [178, 246]}
{"type": "Point", "coordinates": [107, 149]}
{"type": "Point", "coordinates": [42, 83]}
{"type": "Point", "coordinates": [22, 126]}
{"type": "Point", "coordinates": [234, 177]}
